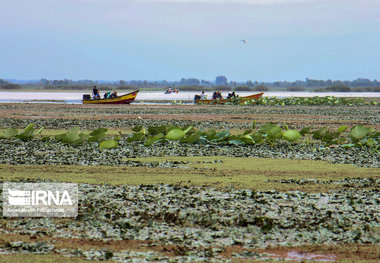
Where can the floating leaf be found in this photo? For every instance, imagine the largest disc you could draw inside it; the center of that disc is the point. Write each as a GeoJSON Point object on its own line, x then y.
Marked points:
{"type": "Point", "coordinates": [266, 128]}
{"type": "Point", "coordinates": [275, 133]}
{"type": "Point", "coordinates": [291, 135]}
{"type": "Point", "coordinates": [136, 137]}
{"type": "Point", "coordinates": [137, 128]}
{"type": "Point", "coordinates": [98, 131]}
{"type": "Point", "coordinates": [202, 140]}
{"type": "Point", "coordinates": [82, 138]}
{"type": "Point", "coordinates": [60, 137]}
{"type": "Point", "coordinates": [220, 136]}
{"type": "Point", "coordinates": [257, 137]}
{"type": "Point", "coordinates": [210, 134]}
{"type": "Point", "coordinates": [318, 134]}
{"type": "Point", "coordinates": [9, 133]}
{"type": "Point", "coordinates": [71, 137]}
{"type": "Point", "coordinates": [108, 144]}
{"type": "Point", "coordinates": [26, 135]}
{"type": "Point", "coordinates": [342, 128]}
{"type": "Point", "coordinates": [358, 132]}
{"type": "Point", "coordinates": [30, 127]}
{"type": "Point", "coordinates": [175, 134]}
{"type": "Point", "coordinates": [157, 130]}
{"type": "Point", "coordinates": [192, 138]}
{"type": "Point", "coordinates": [236, 142]}
{"type": "Point", "coordinates": [305, 130]}
{"type": "Point", "coordinates": [370, 143]}
{"type": "Point", "coordinates": [173, 127]}
{"type": "Point", "coordinates": [97, 138]}
{"type": "Point", "coordinates": [153, 139]}
{"type": "Point", "coordinates": [247, 139]}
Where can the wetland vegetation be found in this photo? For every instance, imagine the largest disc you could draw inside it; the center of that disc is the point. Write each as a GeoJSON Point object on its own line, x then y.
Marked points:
{"type": "Point", "coordinates": [308, 190]}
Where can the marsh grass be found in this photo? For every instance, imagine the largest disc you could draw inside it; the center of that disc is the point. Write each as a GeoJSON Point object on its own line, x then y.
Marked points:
{"type": "Point", "coordinates": [218, 172]}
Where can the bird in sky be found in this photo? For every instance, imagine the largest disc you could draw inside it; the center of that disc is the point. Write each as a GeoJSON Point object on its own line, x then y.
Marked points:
{"type": "Point", "coordinates": [244, 41]}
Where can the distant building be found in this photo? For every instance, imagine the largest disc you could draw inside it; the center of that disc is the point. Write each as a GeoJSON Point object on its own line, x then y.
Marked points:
{"type": "Point", "coordinates": [221, 81]}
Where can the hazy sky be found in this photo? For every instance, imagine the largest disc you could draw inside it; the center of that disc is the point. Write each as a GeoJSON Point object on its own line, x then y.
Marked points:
{"type": "Point", "coordinates": [171, 39]}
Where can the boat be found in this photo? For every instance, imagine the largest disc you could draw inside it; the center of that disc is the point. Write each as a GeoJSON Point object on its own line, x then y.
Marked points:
{"type": "Point", "coordinates": [222, 101]}
{"type": "Point", "coordinates": [170, 91]}
{"type": "Point", "coordinates": [122, 99]}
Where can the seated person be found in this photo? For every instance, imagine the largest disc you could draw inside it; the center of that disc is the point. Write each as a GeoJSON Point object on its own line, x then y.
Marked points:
{"type": "Point", "coordinates": [203, 96]}
{"type": "Point", "coordinates": [107, 94]}
{"type": "Point", "coordinates": [113, 95]}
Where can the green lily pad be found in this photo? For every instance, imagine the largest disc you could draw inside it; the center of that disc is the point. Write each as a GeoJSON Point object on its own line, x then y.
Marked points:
{"type": "Point", "coordinates": [291, 135]}
{"type": "Point", "coordinates": [108, 144]}
{"type": "Point", "coordinates": [175, 134]}
{"type": "Point", "coordinates": [9, 133]}
{"type": "Point", "coordinates": [358, 132]}
{"type": "Point", "coordinates": [98, 131]}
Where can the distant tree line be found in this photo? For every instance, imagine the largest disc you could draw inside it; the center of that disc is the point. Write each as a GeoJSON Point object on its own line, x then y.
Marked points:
{"type": "Point", "coordinates": [7, 85]}
{"type": "Point", "coordinates": [187, 84]}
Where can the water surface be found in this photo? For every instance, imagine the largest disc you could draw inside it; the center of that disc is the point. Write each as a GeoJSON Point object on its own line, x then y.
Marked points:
{"type": "Point", "coordinates": [76, 97]}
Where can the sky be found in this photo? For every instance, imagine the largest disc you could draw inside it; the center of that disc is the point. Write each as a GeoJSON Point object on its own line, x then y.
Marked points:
{"type": "Point", "coordinates": [173, 39]}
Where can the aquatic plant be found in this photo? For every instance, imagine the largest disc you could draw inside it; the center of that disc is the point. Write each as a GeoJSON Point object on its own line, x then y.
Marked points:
{"type": "Point", "coordinates": [303, 101]}
{"type": "Point", "coordinates": [270, 133]}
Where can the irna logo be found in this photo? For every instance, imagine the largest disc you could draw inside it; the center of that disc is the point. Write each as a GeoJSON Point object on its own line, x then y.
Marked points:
{"type": "Point", "coordinates": [39, 197]}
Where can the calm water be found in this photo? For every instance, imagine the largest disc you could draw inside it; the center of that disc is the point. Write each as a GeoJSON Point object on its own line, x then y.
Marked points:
{"type": "Point", "coordinates": [75, 97]}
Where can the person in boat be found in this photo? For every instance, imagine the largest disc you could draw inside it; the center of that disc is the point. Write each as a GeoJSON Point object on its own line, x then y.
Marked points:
{"type": "Point", "coordinates": [203, 96]}
{"type": "Point", "coordinates": [113, 95]}
{"type": "Point", "coordinates": [95, 93]}
{"type": "Point", "coordinates": [215, 95]}
{"type": "Point", "coordinates": [219, 95]}
{"type": "Point", "coordinates": [231, 95]}
{"type": "Point", "coordinates": [107, 95]}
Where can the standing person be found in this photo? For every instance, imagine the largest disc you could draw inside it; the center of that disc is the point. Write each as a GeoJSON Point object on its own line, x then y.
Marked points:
{"type": "Point", "coordinates": [95, 93]}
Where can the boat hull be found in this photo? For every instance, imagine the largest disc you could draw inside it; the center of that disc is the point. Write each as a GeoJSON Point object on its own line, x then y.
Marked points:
{"type": "Point", "coordinates": [222, 101]}
{"type": "Point", "coordinates": [123, 99]}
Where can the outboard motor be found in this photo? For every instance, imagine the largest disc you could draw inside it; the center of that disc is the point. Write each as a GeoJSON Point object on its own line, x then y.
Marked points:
{"type": "Point", "coordinates": [86, 96]}
{"type": "Point", "coordinates": [197, 98]}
